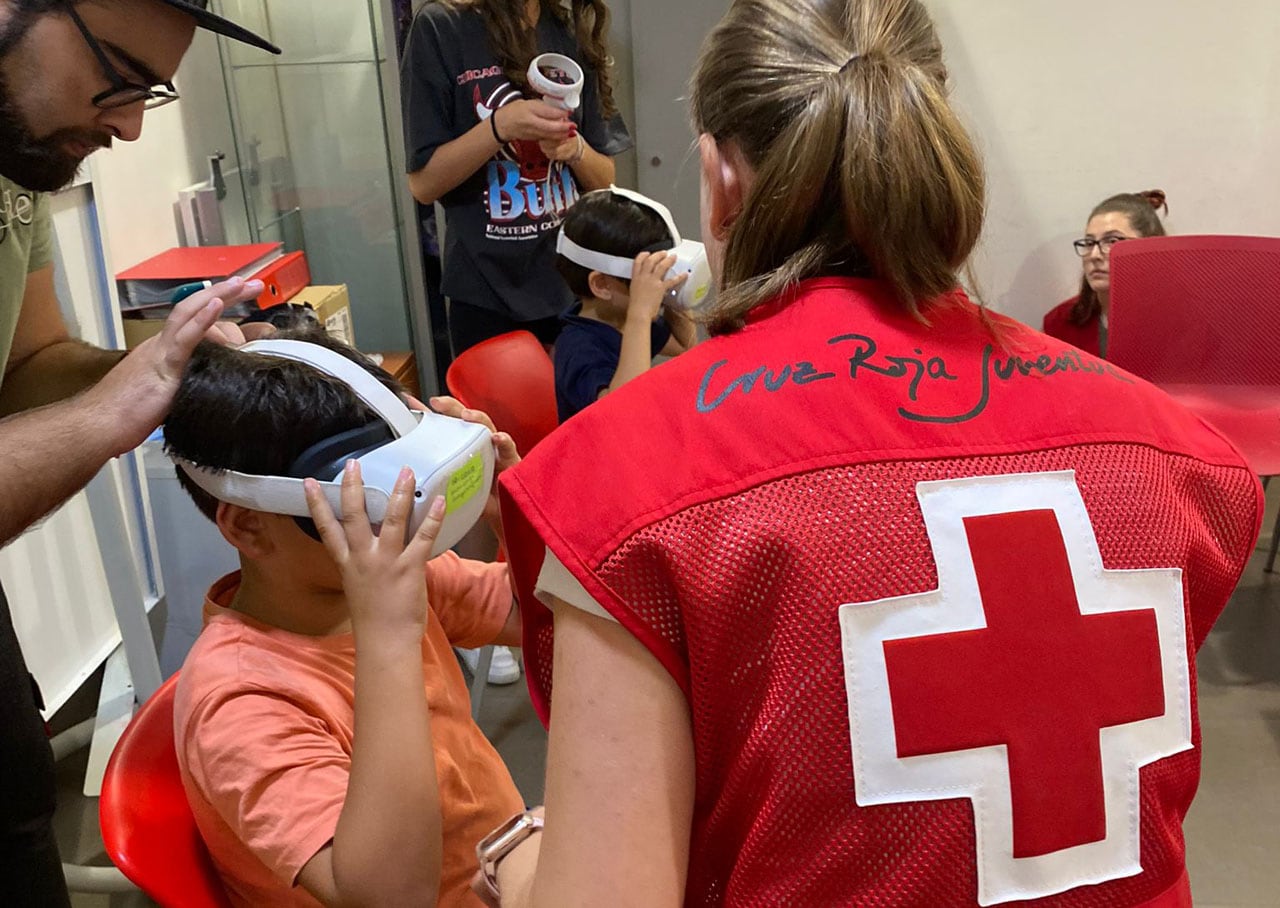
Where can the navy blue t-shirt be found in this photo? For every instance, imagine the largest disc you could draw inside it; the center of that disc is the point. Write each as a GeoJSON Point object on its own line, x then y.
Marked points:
{"type": "Point", "coordinates": [587, 354]}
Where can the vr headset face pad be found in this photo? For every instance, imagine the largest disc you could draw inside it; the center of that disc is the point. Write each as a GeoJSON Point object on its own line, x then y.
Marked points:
{"type": "Point", "coordinates": [326, 459]}
{"type": "Point", "coordinates": [449, 457]}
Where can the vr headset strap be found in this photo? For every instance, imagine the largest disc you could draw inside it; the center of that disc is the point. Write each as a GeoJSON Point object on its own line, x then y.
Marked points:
{"type": "Point", "coordinates": [645, 202]}
{"type": "Point", "coordinates": [377, 395]}
{"type": "Point", "coordinates": [614, 265]}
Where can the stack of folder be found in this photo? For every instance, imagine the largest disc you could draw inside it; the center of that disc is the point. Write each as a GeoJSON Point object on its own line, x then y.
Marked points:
{"type": "Point", "coordinates": [146, 290]}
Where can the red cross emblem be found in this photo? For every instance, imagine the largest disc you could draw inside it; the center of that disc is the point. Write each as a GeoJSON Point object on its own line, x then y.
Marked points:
{"type": "Point", "coordinates": [1032, 681]}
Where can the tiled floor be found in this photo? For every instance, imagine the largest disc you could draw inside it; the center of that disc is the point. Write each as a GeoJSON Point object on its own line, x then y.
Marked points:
{"type": "Point", "coordinates": [1233, 832]}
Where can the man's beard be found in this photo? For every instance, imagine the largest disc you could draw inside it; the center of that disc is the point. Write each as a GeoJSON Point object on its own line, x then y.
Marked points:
{"type": "Point", "coordinates": [41, 165]}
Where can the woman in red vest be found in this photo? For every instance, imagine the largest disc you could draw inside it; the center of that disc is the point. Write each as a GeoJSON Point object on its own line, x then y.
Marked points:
{"type": "Point", "coordinates": [873, 598]}
{"type": "Point", "coordinates": [1082, 320]}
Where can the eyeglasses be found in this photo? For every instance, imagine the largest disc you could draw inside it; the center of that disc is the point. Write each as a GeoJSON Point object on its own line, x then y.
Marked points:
{"type": "Point", "coordinates": [1086, 246]}
{"type": "Point", "coordinates": [122, 92]}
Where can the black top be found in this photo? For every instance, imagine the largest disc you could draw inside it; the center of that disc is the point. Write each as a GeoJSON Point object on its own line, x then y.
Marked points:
{"type": "Point", "coordinates": [501, 223]}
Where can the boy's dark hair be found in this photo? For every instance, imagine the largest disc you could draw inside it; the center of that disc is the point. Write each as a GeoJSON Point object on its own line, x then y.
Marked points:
{"type": "Point", "coordinates": [614, 225]}
{"type": "Point", "coordinates": [256, 414]}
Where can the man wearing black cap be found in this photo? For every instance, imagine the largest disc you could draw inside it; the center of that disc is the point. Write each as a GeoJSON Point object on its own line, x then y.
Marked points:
{"type": "Point", "coordinates": [75, 75]}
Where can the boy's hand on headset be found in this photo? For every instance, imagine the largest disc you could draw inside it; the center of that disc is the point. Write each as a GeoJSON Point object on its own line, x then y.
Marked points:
{"type": "Point", "coordinates": [650, 286]}
{"type": "Point", "coordinates": [504, 449]}
{"type": "Point", "coordinates": [381, 574]}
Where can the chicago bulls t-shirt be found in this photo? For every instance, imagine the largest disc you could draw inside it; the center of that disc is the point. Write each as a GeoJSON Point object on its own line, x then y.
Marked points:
{"type": "Point", "coordinates": [501, 222]}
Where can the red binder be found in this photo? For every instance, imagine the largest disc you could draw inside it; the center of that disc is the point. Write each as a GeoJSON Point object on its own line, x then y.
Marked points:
{"type": "Point", "coordinates": [152, 282]}
{"type": "Point", "coordinates": [283, 279]}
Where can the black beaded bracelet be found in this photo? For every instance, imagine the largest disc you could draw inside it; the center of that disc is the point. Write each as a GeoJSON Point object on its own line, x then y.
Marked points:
{"type": "Point", "coordinates": [493, 124]}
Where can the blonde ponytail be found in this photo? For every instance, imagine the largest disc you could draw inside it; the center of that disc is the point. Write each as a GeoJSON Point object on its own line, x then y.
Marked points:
{"type": "Point", "coordinates": [861, 167]}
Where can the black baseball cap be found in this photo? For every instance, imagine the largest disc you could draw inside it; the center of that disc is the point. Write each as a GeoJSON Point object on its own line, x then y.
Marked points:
{"type": "Point", "coordinates": [196, 9]}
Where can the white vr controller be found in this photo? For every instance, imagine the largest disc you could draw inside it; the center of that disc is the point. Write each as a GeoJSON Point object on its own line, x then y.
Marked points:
{"type": "Point", "coordinates": [691, 256]}
{"type": "Point", "coordinates": [558, 79]}
{"type": "Point", "coordinates": [448, 457]}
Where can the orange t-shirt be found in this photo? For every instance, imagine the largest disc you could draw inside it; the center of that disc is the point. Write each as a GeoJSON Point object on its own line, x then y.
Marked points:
{"type": "Point", "coordinates": [263, 725]}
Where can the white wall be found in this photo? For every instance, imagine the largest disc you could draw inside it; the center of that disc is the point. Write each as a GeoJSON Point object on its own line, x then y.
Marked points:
{"type": "Point", "coordinates": [136, 183]}
{"type": "Point", "coordinates": [1073, 103]}
{"type": "Point", "coordinates": [1069, 104]}
{"type": "Point", "coordinates": [623, 77]}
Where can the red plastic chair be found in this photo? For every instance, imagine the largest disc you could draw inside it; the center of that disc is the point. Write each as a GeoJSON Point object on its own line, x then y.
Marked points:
{"type": "Point", "coordinates": [1200, 317]}
{"type": "Point", "coordinates": [511, 378]}
{"type": "Point", "coordinates": [147, 825]}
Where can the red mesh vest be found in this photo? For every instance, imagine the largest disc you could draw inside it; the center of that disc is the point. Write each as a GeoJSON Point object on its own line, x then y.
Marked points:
{"type": "Point", "coordinates": [737, 508]}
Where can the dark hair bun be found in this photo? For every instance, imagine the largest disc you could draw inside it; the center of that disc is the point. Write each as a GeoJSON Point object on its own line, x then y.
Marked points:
{"type": "Point", "coordinates": [1157, 199]}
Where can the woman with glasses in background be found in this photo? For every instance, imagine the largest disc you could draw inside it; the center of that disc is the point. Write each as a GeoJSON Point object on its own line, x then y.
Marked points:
{"type": "Point", "coordinates": [1082, 320]}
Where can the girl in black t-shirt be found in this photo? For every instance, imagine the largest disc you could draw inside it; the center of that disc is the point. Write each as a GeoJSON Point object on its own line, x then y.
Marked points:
{"type": "Point", "coordinates": [504, 164]}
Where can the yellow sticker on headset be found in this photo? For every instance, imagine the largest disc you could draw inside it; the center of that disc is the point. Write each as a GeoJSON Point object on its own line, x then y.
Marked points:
{"type": "Point", "coordinates": [466, 482]}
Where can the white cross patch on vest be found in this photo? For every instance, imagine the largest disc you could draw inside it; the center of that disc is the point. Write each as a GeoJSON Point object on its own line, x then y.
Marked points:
{"type": "Point", "coordinates": [1032, 682]}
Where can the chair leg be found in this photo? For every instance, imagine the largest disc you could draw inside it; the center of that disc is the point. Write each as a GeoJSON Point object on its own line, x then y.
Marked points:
{"type": "Point", "coordinates": [1275, 546]}
{"type": "Point", "coordinates": [479, 682]}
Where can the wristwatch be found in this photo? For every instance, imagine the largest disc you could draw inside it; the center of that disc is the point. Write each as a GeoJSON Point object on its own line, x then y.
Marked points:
{"type": "Point", "coordinates": [501, 842]}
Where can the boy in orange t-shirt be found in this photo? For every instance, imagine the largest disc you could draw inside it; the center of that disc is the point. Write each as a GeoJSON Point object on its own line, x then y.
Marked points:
{"type": "Point", "coordinates": [310, 640]}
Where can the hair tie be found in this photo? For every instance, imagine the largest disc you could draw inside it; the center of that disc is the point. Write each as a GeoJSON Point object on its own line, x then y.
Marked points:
{"type": "Point", "coordinates": [1157, 199]}
{"type": "Point", "coordinates": [847, 63]}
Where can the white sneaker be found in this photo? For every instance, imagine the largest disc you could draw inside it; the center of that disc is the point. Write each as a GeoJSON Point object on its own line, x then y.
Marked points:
{"type": "Point", "coordinates": [504, 669]}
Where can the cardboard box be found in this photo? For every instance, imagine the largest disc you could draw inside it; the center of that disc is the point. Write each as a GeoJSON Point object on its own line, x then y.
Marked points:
{"type": "Point", "coordinates": [136, 330]}
{"type": "Point", "coordinates": [332, 306]}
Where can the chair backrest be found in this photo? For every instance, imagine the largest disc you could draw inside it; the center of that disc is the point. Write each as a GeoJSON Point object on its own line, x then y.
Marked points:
{"type": "Point", "coordinates": [147, 824]}
{"type": "Point", "coordinates": [511, 378]}
{"type": "Point", "coordinates": [1197, 309]}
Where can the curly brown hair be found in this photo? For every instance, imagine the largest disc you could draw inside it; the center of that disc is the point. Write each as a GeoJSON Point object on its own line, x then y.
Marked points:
{"type": "Point", "coordinates": [513, 42]}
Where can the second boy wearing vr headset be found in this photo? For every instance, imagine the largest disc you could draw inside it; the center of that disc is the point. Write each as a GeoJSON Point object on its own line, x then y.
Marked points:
{"type": "Point", "coordinates": [295, 807]}
{"type": "Point", "coordinates": [636, 281]}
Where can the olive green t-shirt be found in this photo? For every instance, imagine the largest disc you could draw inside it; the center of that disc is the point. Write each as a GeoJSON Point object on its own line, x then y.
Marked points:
{"type": "Point", "coordinates": [26, 245]}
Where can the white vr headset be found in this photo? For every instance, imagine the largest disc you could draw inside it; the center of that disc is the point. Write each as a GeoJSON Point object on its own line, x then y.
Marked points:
{"type": "Point", "coordinates": [691, 256]}
{"type": "Point", "coordinates": [564, 88]}
{"type": "Point", "coordinates": [448, 457]}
